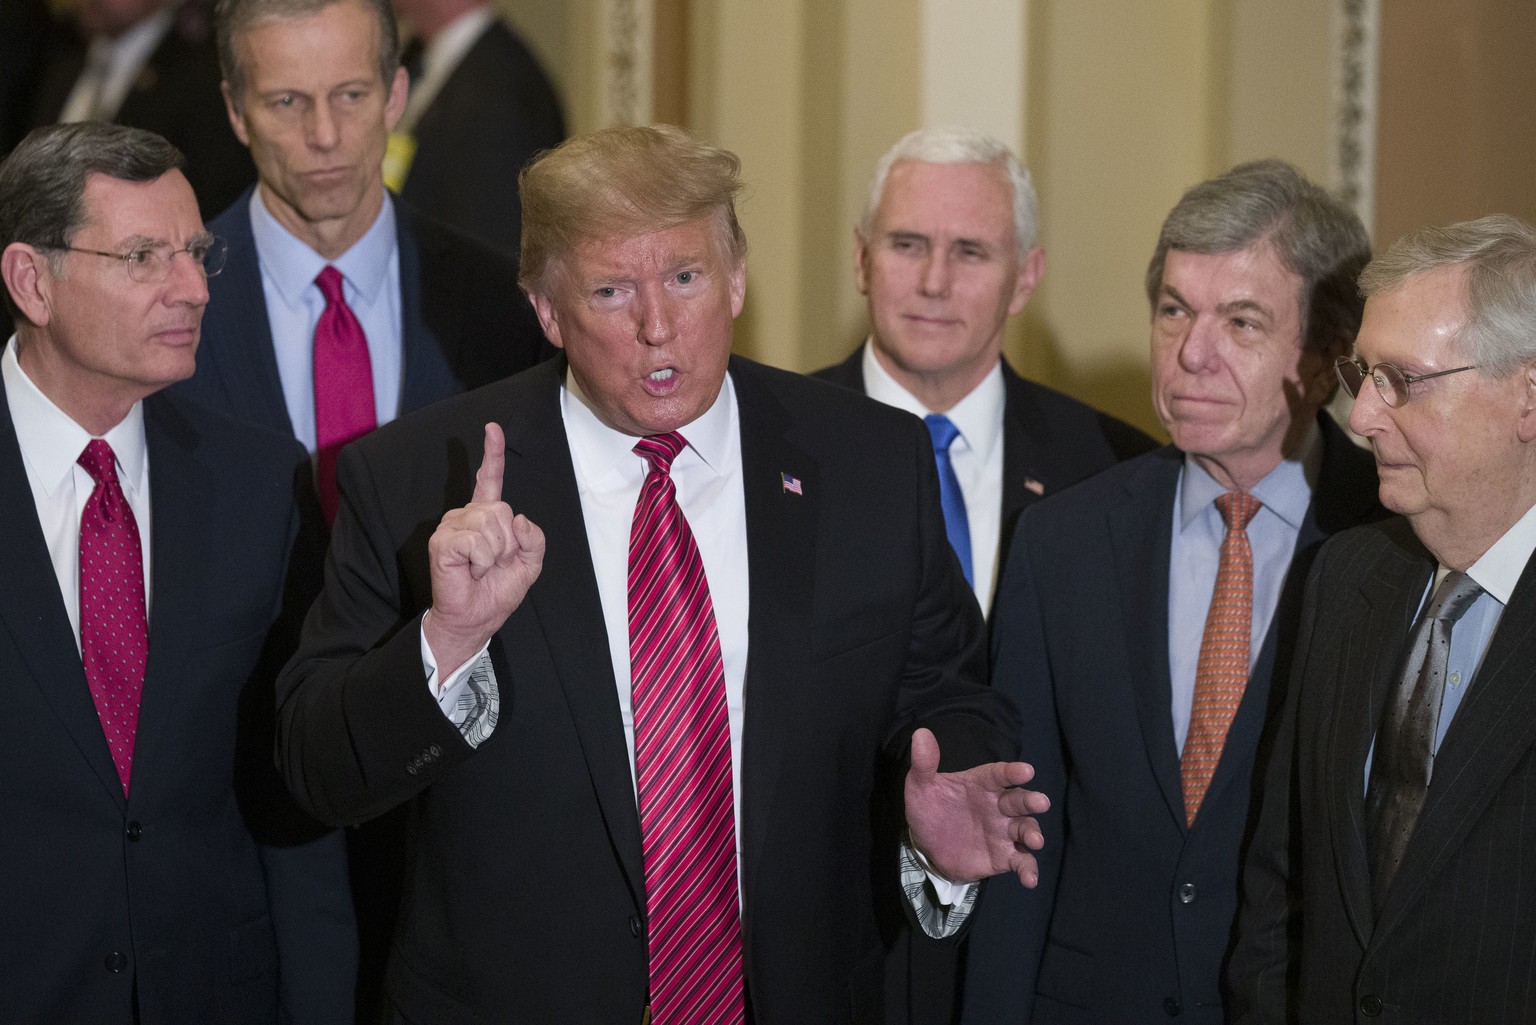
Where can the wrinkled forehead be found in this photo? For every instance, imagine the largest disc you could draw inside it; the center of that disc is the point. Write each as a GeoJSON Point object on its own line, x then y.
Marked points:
{"type": "Point", "coordinates": [118, 211]}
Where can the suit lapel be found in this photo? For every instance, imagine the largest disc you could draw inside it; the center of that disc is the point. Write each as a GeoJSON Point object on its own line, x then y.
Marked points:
{"type": "Point", "coordinates": [35, 617]}
{"type": "Point", "coordinates": [432, 309]}
{"type": "Point", "coordinates": [1022, 444]}
{"type": "Point", "coordinates": [1141, 528]}
{"type": "Point", "coordinates": [781, 555]}
{"type": "Point", "coordinates": [240, 354]}
{"type": "Point", "coordinates": [1492, 732]}
{"type": "Point", "coordinates": [568, 610]}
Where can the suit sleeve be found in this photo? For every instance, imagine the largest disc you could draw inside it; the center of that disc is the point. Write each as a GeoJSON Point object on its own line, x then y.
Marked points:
{"type": "Point", "coordinates": [1268, 917]}
{"type": "Point", "coordinates": [358, 730]}
{"type": "Point", "coordinates": [1011, 922]}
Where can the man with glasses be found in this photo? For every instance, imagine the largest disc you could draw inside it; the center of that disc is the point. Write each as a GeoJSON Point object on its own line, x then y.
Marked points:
{"type": "Point", "coordinates": [1387, 876]}
{"type": "Point", "coordinates": [147, 551]}
{"type": "Point", "coordinates": [1146, 639]}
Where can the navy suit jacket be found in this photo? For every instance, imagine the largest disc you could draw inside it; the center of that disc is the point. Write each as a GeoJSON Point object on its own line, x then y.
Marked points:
{"type": "Point", "coordinates": [1455, 940]}
{"type": "Point", "coordinates": [184, 890]}
{"type": "Point", "coordinates": [1134, 913]}
{"type": "Point", "coordinates": [861, 628]}
{"type": "Point", "coordinates": [464, 321]}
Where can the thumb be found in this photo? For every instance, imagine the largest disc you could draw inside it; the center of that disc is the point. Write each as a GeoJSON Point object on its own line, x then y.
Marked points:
{"type": "Point", "coordinates": [925, 753]}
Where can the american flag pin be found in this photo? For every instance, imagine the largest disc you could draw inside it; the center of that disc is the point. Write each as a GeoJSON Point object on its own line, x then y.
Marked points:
{"type": "Point", "coordinates": [1034, 485]}
{"type": "Point", "coordinates": [792, 484]}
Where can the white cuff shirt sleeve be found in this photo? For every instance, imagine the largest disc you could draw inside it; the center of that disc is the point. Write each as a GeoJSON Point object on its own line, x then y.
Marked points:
{"type": "Point", "coordinates": [469, 696]}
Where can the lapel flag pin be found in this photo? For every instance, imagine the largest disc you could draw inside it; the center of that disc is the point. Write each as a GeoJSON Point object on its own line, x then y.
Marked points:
{"type": "Point", "coordinates": [1034, 485]}
{"type": "Point", "coordinates": [792, 484]}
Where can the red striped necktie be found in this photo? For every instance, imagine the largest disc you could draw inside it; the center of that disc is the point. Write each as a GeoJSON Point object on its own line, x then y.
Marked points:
{"type": "Point", "coordinates": [682, 762]}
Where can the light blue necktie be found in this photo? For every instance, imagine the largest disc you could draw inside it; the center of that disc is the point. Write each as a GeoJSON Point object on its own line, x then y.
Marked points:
{"type": "Point", "coordinates": [944, 433]}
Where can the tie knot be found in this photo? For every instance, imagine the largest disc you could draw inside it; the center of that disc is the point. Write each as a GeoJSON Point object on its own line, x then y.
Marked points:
{"type": "Point", "coordinates": [1237, 508]}
{"type": "Point", "coordinates": [660, 450]}
{"type": "Point", "coordinates": [329, 281]}
{"type": "Point", "coordinates": [943, 431]}
{"type": "Point", "coordinates": [99, 461]}
{"type": "Point", "coordinates": [1453, 597]}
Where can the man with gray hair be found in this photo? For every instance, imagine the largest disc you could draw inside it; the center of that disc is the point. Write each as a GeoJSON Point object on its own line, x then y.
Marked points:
{"type": "Point", "coordinates": [946, 253]}
{"type": "Point", "coordinates": [1385, 879]}
{"type": "Point", "coordinates": [1147, 618]}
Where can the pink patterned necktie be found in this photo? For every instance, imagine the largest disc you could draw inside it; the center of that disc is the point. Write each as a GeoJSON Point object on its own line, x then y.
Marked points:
{"type": "Point", "coordinates": [682, 762]}
{"type": "Point", "coordinates": [343, 385]}
{"type": "Point", "coordinates": [1221, 674]}
{"type": "Point", "coordinates": [114, 634]}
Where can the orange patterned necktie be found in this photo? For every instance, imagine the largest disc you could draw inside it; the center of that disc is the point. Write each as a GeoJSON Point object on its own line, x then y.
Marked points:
{"type": "Point", "coordinates": [1222, 672]}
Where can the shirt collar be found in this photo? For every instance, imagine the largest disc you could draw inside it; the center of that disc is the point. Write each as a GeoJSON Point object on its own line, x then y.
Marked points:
{"type": "Point", "coordinates": [51, 442]}
{"type": "Point", "coordinates": [292, 266]}
{"type": "Point", "coordinates": [978, 416]}
{"type": "Point", "coordinates": [598, 450]}
{"type": "Point", "coordinates": [1285, 491]}
{"type": "Point", "coordinates": [1498, 571]}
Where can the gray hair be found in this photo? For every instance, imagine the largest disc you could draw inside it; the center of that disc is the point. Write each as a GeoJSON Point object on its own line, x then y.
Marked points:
{"type": "Point", "coordinates": [959, 146]}
{"type": "Point", "coordinates": [234, 17]}
{"type": "Point", "coordinates": [1499, 253]}
{"type": "Point", "coordinates": [42, 182]}
{"type": "Point", "coordinates": [1315, 236]}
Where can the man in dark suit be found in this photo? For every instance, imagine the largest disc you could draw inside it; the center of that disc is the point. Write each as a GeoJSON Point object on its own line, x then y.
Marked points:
{"type": "Point", "coordinates": [519, 687]}
{"type": "Point", "coordinates": [1386, 877]}
{"type": "Point", "coordinates": [148, 545]}
{"type": "Point", "coordinates": [946, 253]}
{"type": "Point", "coordinates": [480, 107]}
{"type": "Point", "coordinates": [1143, 637]}
{"type": "Point", "coordinates": [150, 64]}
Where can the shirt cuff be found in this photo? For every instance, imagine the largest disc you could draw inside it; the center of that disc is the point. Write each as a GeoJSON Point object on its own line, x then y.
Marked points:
{"type": "Point", "coordinates": [469, 696]}
{"type": "Point", "coordinates": [942, 907]}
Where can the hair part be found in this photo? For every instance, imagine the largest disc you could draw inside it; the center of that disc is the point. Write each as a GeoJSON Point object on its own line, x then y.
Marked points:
{"type": "Point", "coordinates": [623, 182]}
{"type": "Point", "coordinates": [959, 146]}
{"type": "Point", "coordinates": [42, 182]}
{"type": "Point", "coordinates": [233, 18]}
{"type": "Point", "coordinates": [1314, 235]}
{"type": "Point", "coordinates": [1498, 253]}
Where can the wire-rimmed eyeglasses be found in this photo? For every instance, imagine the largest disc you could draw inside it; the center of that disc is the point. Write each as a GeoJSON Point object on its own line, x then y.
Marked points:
{"type": "Point", "coordinates": [151, 264]}
{"type": "Point", "coordinates": [1391, 382]}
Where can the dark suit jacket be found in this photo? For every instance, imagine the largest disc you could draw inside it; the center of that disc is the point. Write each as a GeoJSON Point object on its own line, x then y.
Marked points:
{"type": "Point", "coordinates": [526, 901]}
{"type": "Point", "coordinates": [495, 111]}
{"type": "Point", "coordinates": [1456, 940]}
{"type": "Point", "coordinates": [1048, 438]}
{"type": "Point", "coordinates": [176, 95]}
{"type": "Point", "coordinates": [166, 891]}
{"type": "Point", "coordinates": [465, 323]}
{"type": "Point", "coordinates": [1134, 913]}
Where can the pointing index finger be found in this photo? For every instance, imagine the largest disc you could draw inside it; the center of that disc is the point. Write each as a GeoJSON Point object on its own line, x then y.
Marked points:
{"type": "Point", "coordinates": [492, 466]}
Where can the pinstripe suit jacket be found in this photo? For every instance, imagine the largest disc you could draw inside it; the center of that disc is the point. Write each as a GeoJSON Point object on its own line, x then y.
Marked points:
{"type": "Point", "coordinates": [1456, 939]}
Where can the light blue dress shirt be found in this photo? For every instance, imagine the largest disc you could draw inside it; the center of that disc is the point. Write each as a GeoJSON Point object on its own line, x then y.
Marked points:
{"type": "Point", "coordinates": [371, 272]}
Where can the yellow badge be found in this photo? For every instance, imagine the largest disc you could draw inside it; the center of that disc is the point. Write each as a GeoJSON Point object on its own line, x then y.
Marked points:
{"type": "Point", "coordinates": [397, 160]}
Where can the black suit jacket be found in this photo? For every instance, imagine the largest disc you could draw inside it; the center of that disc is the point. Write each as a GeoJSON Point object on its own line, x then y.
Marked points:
{"type": "Point", "coordinates": [182, 890]}
{"type": "Point", "coordinates": [1134, 913]}
{"type": "Point", "coordinates": [496, 110]}
{"type": "Point", "coordinates": [176, 95]}
{"type": "Point", "coordinates": [1456, 940]}
{"type": "Point", "coordinates": [464, 321]}
{"type": "Point", "coordinates": [861, 629]}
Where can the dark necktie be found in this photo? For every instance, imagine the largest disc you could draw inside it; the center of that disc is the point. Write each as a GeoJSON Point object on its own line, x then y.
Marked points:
{"type": "Point", "coordinates": [114, 634]}
{"type": "Point", "coordinates": [682, 762]}
{"type": "Point", "coordinates": [1404, 757]}
{"type": "Point", "coordinates": [344, 408]}
{"type": "Point", "coordinates": [1221, 673]}
{"type": "Point", "coordinates": [944, 432]}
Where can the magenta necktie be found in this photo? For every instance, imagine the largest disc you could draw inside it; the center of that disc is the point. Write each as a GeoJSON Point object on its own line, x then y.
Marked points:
{"type": "Point", "coordinates": [343, 385]}
{"type": "Point", "coordinates": [114, 634]}
{"type": "Point", "coordinates": [682, 761]}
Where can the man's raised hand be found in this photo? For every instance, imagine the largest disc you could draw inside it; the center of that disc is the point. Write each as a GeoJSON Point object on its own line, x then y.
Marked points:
{"type": "Point", "coordinates": [483, 561]}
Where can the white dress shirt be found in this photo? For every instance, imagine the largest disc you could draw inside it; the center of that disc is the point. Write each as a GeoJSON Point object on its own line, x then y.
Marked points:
{"type": "Point", "coordinates": [370, 271]}
{"type": "Point", "coordinates": [976, 455]}
{"type": "Point", "coordinates": [50, 444]}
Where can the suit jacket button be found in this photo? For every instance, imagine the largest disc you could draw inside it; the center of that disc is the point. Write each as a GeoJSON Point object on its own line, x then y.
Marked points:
{"type": "Point", "coordinates": [115, 962]}
{"type": "Point", "coordinates": [411, 768]}
{"type": "Point", "coordinates": [1187, 893]}
{"type": "Point", "coordinates": [1171, 1007]}
{"type": "Point", "coordinates": [434, 751]}
{"type": "Point", "coordinates": [1370, 1005]}
{"type": "Point", "coordinates": [634, 926]}
{"type": "Point", "coordinates": [134, 832]}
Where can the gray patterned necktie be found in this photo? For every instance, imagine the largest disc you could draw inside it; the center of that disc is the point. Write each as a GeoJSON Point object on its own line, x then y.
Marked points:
{"type": "Point", "coordinates": [1404, 758]}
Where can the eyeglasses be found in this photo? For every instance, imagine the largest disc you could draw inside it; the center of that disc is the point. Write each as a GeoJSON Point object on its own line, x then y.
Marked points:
{"type": "Point", "coordinates": [1391, 382]}
{"type": "Point", "coordinates": [151, 264]}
